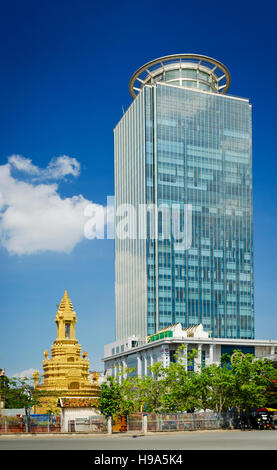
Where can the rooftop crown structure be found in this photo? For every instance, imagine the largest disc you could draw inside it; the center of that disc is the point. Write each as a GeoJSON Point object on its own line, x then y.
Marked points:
{"type": "Point", "coordinates": [188, 70]}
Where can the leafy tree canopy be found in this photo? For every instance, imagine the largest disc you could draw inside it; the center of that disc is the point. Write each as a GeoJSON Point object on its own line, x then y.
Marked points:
{"type": "Point", "coordinates": [242, 381]}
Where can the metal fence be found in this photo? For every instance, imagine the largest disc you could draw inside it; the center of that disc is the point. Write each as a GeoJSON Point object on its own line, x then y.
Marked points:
{"type": "Point", "coordinates": [155, 423]}
{"type": "Point", "coordinates": [187, 422]}
{"type": "Point", "coordinates": [136, 423]}
{"type": "Point", "coordinates": [36, 424]}
{"type": "Point", "coordinates": [93, 424]}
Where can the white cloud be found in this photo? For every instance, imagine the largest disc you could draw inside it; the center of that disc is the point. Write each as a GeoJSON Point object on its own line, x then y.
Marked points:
{"type": "Point", "coordinates": [25, 373]}
{"type": "Point", "coordinates": [35, 217]}
{"type": "Point", "coordinates": [57, 168]}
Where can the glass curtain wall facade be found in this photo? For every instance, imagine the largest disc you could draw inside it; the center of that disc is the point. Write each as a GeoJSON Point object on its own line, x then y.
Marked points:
{"type": "Point", "coordinates": [130, 252]}
{"type": "Point", "coordinates": [180, 145]}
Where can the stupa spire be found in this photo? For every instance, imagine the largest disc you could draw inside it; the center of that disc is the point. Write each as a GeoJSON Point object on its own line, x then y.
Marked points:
{"type": "Point", "coordinates": [65, 304]}
{"type": "Point", "coordinates": [65, 319]}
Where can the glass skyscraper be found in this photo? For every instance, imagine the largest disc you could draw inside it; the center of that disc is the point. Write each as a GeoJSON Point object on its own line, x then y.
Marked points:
{"type": "Point", "coordinates": [183, 141]}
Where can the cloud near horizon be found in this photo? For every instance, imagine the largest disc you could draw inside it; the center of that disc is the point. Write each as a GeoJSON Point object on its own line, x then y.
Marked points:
{"type": "Point", "coordinates": [57, 168]}
{"type": "Point", "coordinates": [28, 373]}
{"type": "Point", "coordinates": [34, 217]}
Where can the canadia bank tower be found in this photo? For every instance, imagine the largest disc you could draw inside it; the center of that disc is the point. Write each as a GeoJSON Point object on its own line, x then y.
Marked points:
{"type": "Point", "coordinates": [183, 143]}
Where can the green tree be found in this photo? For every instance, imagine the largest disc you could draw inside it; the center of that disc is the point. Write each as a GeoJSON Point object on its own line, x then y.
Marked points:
{"type": "Point", "coordinates": [271, 394]}
{"type": "Point", "coordinates": [242, 383]}
{"type": "Point", "coordinates": [225, 359]}
{"type": "Point", "coordinates": [202, 390]}
{"type": "Point", "coordinates": [119, 399]}
{"type": "Point", "coordinates": [150, 389]}
{"type": "Point", "coordinates": [180, 385]}
{"type": "Point", "coordinates": [20, 393]}
{"type": "Point", "coordinates": [252, 379]}
{"type": "Point", "coordinates": [110, 397]}
{"type": "Point", "coordinates": [218, 382]}
{"type": "Point", "coordinates": [5, 385]}
{"type": "Point", "coordinates": [129, 402]}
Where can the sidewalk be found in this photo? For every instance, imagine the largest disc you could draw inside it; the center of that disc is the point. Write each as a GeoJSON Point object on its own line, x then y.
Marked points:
{"type": "Point", "coordinates": [114, 435]}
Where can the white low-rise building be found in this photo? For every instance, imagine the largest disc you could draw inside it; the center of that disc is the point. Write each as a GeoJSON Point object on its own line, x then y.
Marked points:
{"type": "Point", "coordinates": [80, 416]}
{"type": "Point", "coordinates": [163, 346]}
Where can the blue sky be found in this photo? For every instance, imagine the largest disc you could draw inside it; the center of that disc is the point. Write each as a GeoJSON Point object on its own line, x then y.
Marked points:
{"type": "Point", "coordinates": [65, 68]}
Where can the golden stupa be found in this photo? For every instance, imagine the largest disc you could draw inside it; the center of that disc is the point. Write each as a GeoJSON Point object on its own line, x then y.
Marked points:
{"type": "Point", "coordinates": [66, 373]}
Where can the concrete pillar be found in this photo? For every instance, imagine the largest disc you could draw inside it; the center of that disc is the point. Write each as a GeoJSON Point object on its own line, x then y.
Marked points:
{"type": "Point", "coordinates": [124, 365]}
{"type": "Point", "coordinates": [139, 372]}
{"type": "Point", "coordinates": [211, 358]}
{"type": "Point", "coordinates": [184, 357]}
{"type": "Point", "coordinates": [120, 370]}
{"type": "Point", "coordinates": [272, 350]}
{"type": "Point", "coordinates": [144, 424]}
{"type": "Point", "coordinates": [151, 361]}
{"type": "Point", "coordinates": [110, 424]}
{"type": "Point", "coordinates": [198, 360]}
{"type": "Point", "coordinates": [145, 364]}
{"type": "Point", "coordinates": [64, 428]}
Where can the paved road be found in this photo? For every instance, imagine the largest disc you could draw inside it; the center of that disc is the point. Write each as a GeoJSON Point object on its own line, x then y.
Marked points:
{"type": "Point", "coordinates": [205, 440]}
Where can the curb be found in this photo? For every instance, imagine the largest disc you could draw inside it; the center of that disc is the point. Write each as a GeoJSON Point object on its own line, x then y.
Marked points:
{"type": "Point", "coordinates": [69, 435]}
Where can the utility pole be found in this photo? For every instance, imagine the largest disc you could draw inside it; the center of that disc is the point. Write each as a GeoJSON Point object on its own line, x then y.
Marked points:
{"type": "Point", "coordinates": [2, 373]}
